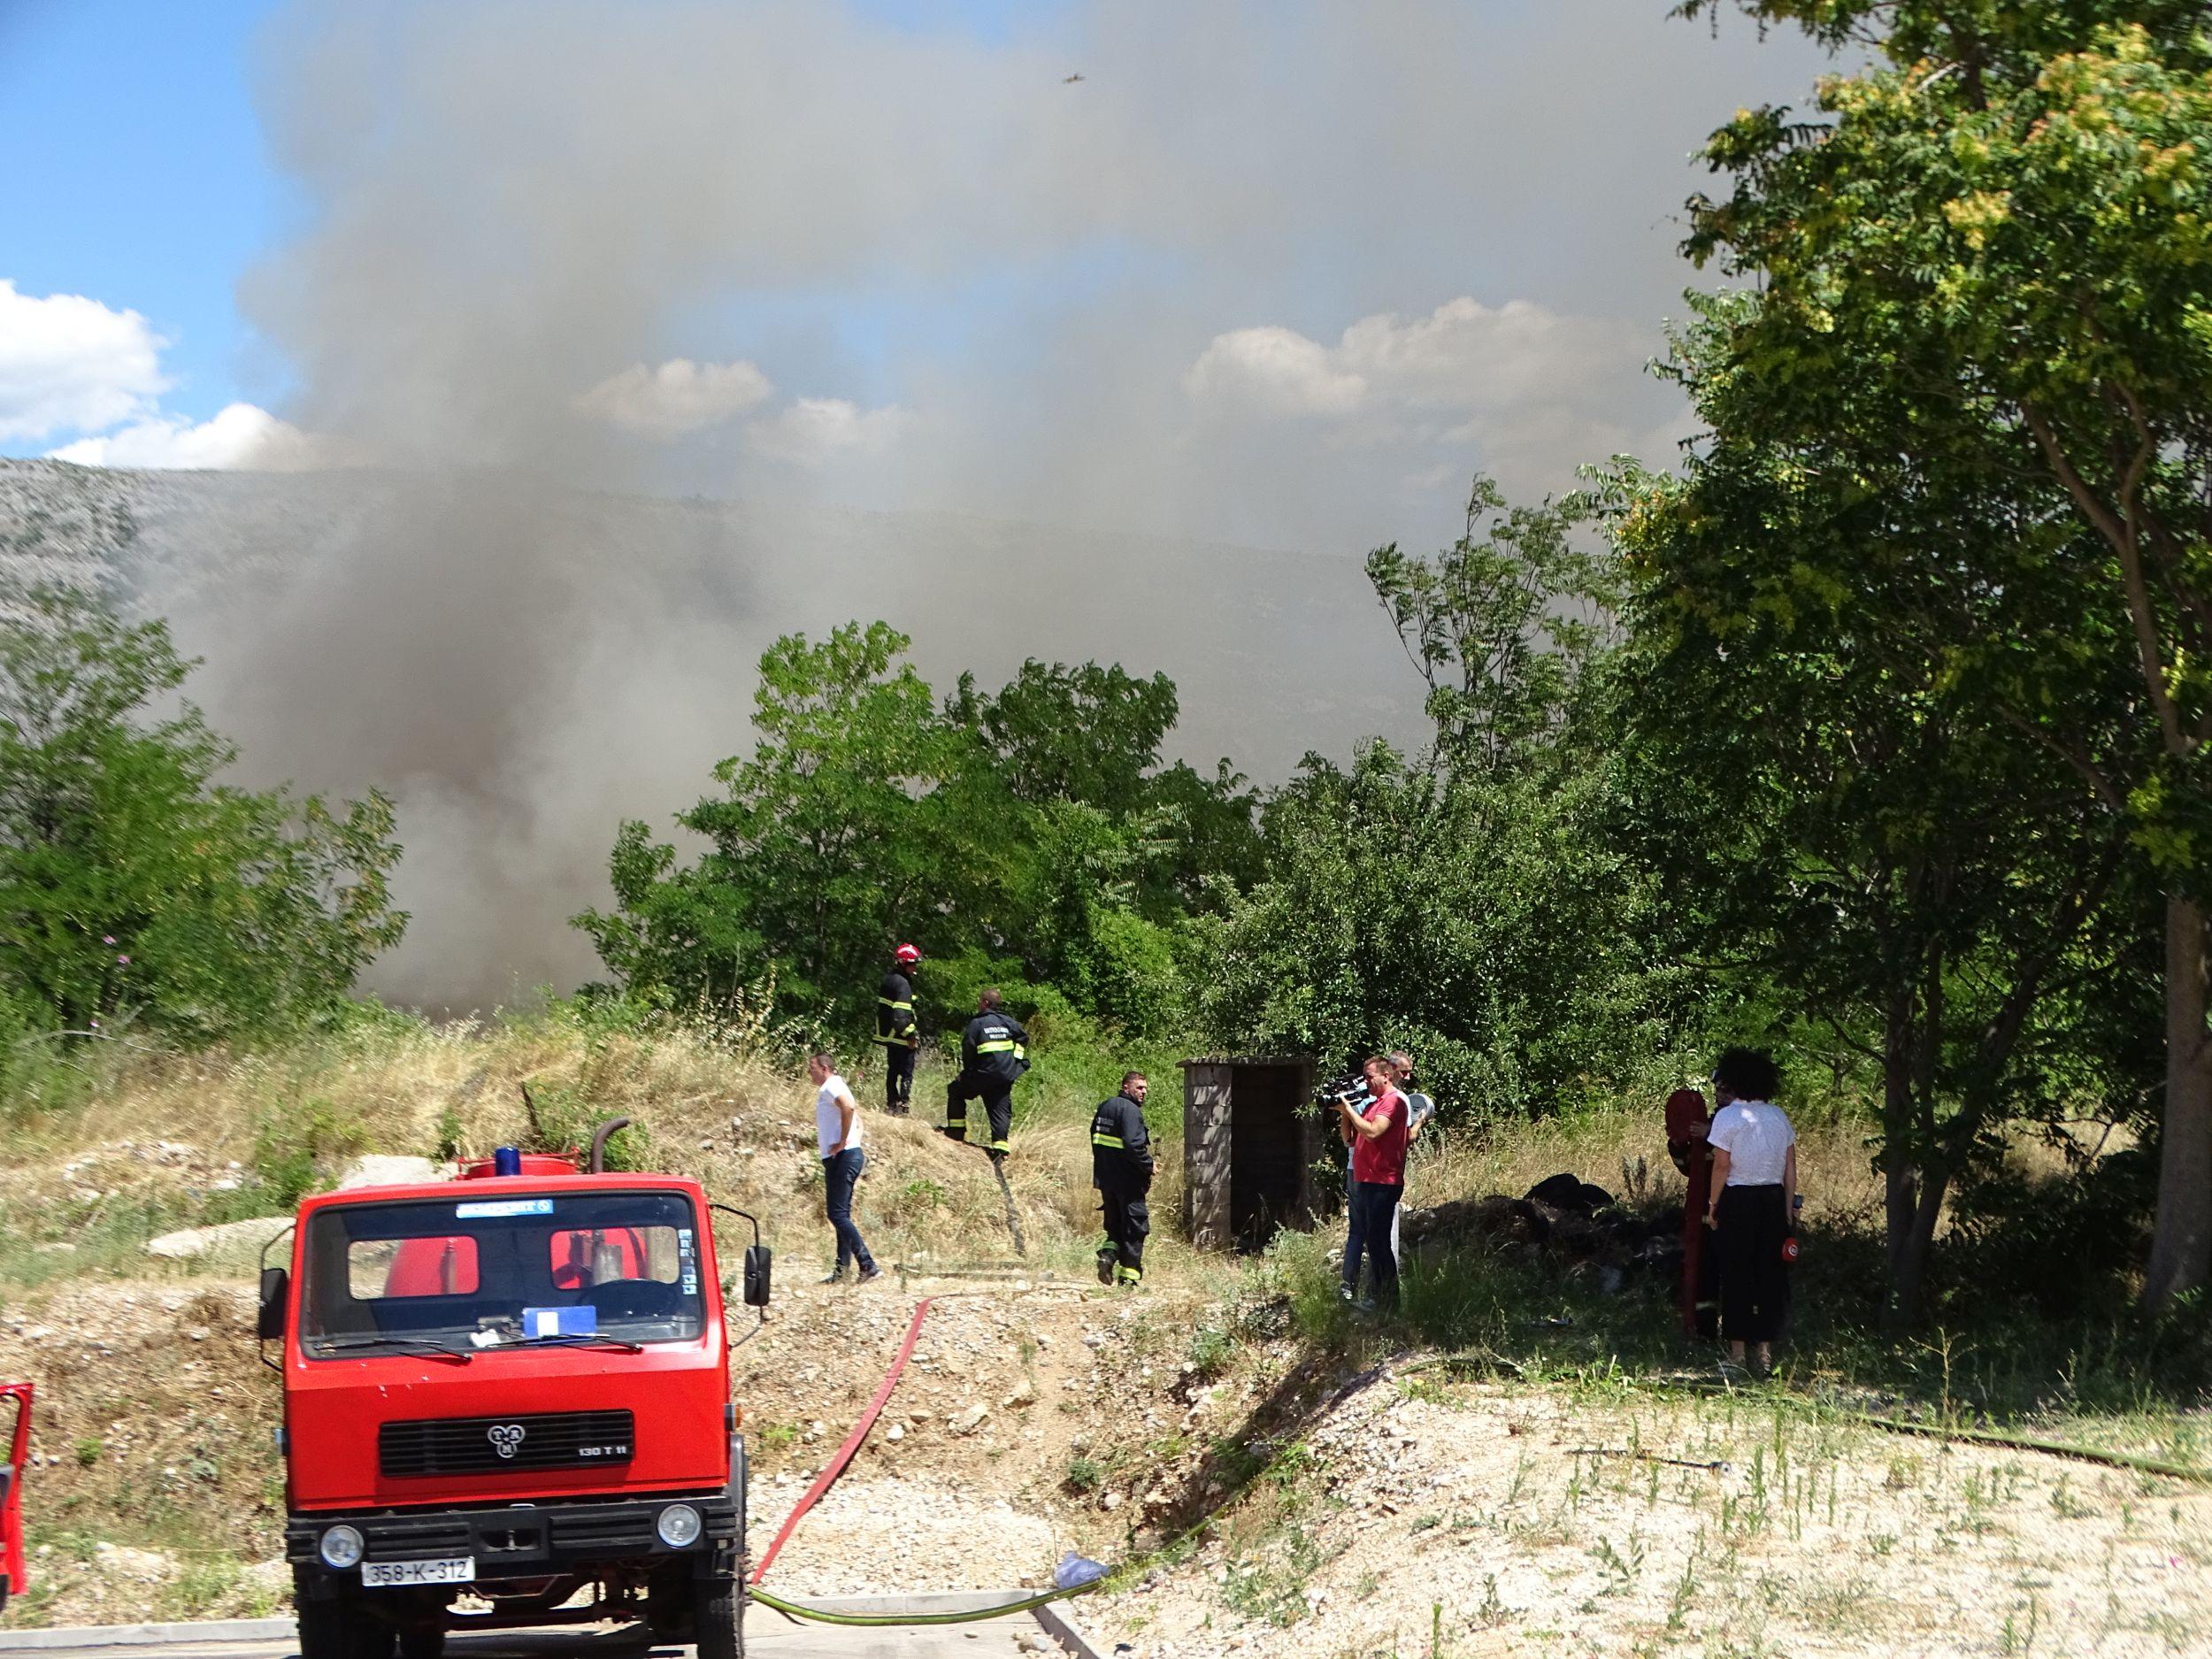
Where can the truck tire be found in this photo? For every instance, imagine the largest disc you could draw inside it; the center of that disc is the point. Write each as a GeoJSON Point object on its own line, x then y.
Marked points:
{"type": "Point", "coordinates": [340, 1629]}
{"type": "Point", "coordinates": [718, 1619]}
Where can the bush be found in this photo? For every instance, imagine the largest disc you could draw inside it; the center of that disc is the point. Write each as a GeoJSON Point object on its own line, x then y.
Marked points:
{"type": "Point", "coordinates": [298, 1150]}
{"type": "Point", "coordinates": [2068, 1247]}
{"type": "Point", "coordinates": [131, 882]}
{"type": "Point", "coordinates": [563, 1120]}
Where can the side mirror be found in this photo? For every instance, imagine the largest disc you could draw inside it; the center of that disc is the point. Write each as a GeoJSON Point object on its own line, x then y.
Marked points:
{"type": "Point", "coordinates": [276, 1285]}
{"type": "Point", "coordinates": [758, 1260]}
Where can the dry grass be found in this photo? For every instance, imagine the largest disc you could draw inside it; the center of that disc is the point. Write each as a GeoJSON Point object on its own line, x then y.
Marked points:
{"type": "Point", "coordinates": [1609, 1145]}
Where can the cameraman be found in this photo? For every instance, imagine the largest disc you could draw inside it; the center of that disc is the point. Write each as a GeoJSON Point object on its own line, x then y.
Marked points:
{"type": "Point", "coordinates": [1377, 1131]}
{"type": "Point", "coordinates": [1419, 1109]}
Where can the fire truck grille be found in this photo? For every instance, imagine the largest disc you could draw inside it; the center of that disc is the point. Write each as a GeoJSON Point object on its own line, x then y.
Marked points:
{"type": "Point", "coordinates": [474, 1446]}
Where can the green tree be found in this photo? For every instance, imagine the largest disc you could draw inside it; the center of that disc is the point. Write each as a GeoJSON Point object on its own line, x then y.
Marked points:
{"type": "Point", "coordinates": [1467, 902]}
{"type": "Point", "coordinates": [823, 839]}
{"type": "Point", "coordinates": [1026, 836]}
{"type": "Point", "coordinates": [1822, 768]}
{"type": "Point", "coordinates": [132, 884]}
{"type": "Point", "coordinates": [1502, 626]}
{"type": "Point", "coordinates": [1999, 229]}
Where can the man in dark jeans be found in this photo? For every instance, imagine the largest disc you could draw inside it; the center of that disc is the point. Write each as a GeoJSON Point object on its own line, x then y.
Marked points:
{"type": "Point", "coordinates": [837, 1133]}
{"type": "Point", "coordinates": [1377, 1128]}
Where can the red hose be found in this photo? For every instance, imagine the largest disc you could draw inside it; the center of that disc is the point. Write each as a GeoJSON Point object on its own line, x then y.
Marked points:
{"type": "Point", "coordinates": [828, 1477]}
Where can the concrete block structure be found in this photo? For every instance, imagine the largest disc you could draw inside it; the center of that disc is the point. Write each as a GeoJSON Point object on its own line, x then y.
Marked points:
{"type": "Point", "coordinates": [1257, 1151]}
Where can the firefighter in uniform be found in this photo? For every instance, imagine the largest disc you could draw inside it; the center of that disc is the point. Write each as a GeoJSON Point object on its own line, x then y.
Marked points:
{"type": "Point", "coordinates": [993, 1054]}
{"type": "Point", "coordinates": [1121, 1169]}
{"type": "Point", "coordinates": [896, 1032]}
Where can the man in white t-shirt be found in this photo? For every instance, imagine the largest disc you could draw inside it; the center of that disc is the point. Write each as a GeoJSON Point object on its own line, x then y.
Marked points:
{"type": "Point", "coordinates": [837, 1134]}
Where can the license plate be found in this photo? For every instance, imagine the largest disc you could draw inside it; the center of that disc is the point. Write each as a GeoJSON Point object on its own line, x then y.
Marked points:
{"type": "Point", "coordinates": [391, 1574]}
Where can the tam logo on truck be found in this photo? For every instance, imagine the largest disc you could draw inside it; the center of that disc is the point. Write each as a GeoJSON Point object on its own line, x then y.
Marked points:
{"type": "Point", "coordinates": [464, 1373]}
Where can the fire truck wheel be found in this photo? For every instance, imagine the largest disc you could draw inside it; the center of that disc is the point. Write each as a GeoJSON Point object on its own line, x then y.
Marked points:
{"type": "Point", "coordinates": [339, 1630]}
{"type": "Point", "coordinates": [718, 1619]}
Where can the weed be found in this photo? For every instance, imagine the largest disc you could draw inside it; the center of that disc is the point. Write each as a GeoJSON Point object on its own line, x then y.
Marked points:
{"type": "Point", "coordinates": [1493, 1611]}
{"type": "Point", "coordinates": [1211, 1349]}
{"type": "Point", "coordinates": [2020, 1629]}
{"type": "Point", "coordinates": [1685, 1594]}
{"type": "Point", "coordinates": [89, 1450]}
{"type": "Point", "coordinates": [450, 1143]}
{"type": "Point", "coordinates": [1621, 1570]}
{"type": "Point", "coordinates": [1084, 1475]}
{"type": "Point", "coordinates": [2069, 1507]}
{"type": "Point", "coordinates": [1274, 1595]}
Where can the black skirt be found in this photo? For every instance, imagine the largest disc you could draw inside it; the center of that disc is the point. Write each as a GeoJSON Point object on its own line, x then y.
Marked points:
{"type": "Point", "coordinates": [1754, 1285]}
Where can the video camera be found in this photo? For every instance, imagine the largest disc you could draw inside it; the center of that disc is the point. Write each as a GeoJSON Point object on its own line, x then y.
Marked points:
{"type": "Point", "coordinates": [1343, 1091]}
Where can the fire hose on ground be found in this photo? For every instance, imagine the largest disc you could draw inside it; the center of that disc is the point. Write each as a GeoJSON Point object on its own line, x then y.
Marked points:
{"type": "Point", "coordinates": [828, 1478]}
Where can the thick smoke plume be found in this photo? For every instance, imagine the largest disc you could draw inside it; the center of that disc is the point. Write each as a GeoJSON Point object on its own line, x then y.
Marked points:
{"type": "Point", "coordinates": [1276, 274]}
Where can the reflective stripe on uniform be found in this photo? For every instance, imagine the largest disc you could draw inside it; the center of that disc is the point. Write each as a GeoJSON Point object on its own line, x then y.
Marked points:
{"type": "Point", "coordinates": [888, 1002]}
{"type": "Point", "coordinates": [999, 1146]}
{"type": "Point", "coordinates": [1098, 1140]}
{"type": "Point", "coordinates": [994, 1048]}
{"type": "Point", "coordinates": [1129, 1275]}
{"type": "Point", "coordinates": [1021, 1051]}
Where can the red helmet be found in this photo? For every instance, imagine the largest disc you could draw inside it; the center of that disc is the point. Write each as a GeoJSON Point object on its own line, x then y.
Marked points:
{"type": "Point", "coordinates": [907, 954]}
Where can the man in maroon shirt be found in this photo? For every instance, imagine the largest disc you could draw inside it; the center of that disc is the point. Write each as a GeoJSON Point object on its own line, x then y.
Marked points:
{"type": "Point", "coordinates": [1379, 1179]}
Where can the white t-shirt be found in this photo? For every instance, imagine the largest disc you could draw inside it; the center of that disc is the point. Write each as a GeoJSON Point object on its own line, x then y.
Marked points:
{"type": "Point", "coordinates": [1757, 1137]}
{"type": "Point", "coordinates": [829, 1123]}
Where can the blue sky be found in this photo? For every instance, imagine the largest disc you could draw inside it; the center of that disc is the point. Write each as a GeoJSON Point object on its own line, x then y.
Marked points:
{"type": "Point", "coordinates": [132, 170]}
{"type": "Point", "coordinates": [134, 173]}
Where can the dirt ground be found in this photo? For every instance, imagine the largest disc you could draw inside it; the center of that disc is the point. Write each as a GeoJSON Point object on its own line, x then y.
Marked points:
{"type": "Point", "coordinates": [1482, 1519]}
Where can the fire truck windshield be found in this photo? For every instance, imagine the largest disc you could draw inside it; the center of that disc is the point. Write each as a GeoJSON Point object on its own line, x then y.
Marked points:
{"type": "Point", "coordinates": [478, 1272]}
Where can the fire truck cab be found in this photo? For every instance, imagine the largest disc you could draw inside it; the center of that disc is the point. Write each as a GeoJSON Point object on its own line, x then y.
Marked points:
{"type": "Point", "coordinates": [507, 1404]}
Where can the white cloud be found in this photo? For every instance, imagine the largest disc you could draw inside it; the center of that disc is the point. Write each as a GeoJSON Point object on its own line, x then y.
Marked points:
{"type": "Point", "coordinates": [1464, 359]}
{"type": "Point", "coordinates": [1273, 372]}
{"type": "Point", "coordinates": [69, 363]}
{"type": "Point", "coordinates": [678, 398]}
{"type": "Point", "coordinates": [817, 429]}
{"type": "Point", "coordinates": [239, 435]}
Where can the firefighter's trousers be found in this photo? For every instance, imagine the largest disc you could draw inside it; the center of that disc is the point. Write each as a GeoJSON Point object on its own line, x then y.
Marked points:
{"type": "Point", "coordinates": [997, 1095]}
{"type": "Point", "coordinates": [898, 1077]}
{"type": "Point", "coordinates": [1128, 1220]}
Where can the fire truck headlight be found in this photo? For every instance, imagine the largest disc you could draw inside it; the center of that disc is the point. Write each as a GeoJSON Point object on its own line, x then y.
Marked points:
{"type": "Point", "coordinates": [341, 1548]}
{"type": "Point", "coordinates": [679, 1526]}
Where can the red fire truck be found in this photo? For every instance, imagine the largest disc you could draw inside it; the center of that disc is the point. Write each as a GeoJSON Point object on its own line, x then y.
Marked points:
{"type": "Point", "coordinates": [15, 1415]}
{"type": "Point", "coordinates": [507, 1404]}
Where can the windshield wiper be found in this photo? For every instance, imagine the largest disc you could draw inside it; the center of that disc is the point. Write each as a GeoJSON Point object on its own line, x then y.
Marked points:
{"type": "Point", "coordinates": [579, 1340]}
{"type": "Point", "coordinates": [408, 1344]}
